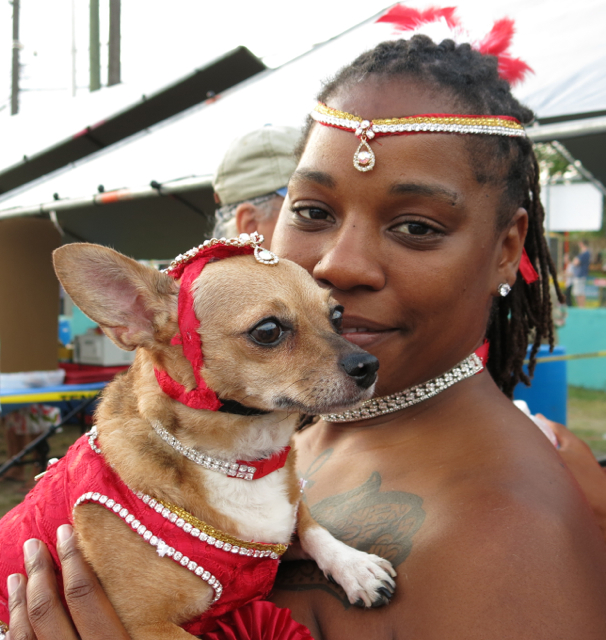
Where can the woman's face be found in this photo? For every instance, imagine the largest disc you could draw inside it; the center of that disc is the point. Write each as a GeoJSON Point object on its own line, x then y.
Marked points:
{"type": "Point", "coordinates": [409, 248]}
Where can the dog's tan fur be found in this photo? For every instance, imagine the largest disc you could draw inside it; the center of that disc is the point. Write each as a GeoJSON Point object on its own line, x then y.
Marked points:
{"type": "Point", "coordinates": [137, 307]}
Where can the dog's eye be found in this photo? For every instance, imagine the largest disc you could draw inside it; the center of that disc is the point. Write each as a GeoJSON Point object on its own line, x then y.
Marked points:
{"type": "Point", "coordinates": [267, 332]}
{"type": "Point", "coordinates": [337, 318]}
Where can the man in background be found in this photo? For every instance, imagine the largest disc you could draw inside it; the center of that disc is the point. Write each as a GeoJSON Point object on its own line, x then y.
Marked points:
{"type": "Point", "coordinates": [581, 271]}
{"type": "Point", "coordinates": [250, 183]}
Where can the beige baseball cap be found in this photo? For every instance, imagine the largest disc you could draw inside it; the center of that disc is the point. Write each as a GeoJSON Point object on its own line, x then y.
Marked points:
{"type": "Point", "coordinates": [257, 164]}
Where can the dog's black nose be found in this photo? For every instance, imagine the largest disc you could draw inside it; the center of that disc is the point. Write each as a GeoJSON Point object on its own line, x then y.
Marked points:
{"type": "Point", "coordinates": [362, 367]}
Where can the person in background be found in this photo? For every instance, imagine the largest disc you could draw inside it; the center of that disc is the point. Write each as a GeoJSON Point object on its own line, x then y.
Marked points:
{"type": "Point", "coordinates": [250, 183]}
{"type": "Point", "coordinates": [568, 277]}
{"type": "Point", "coordinates": [581, 271]}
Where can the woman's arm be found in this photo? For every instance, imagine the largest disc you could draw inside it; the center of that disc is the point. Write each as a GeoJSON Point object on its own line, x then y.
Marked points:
{"type": "Point", "coordinates": [35, 604]}
{"type": "Point", "coordinates": [584, 467]}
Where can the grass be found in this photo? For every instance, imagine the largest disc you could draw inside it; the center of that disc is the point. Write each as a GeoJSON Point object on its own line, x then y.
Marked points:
{"type": "Point", "coordinates": [586, 418]}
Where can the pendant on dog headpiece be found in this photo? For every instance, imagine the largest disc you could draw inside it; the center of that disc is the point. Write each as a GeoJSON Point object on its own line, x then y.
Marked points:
{"type": "Point", "coordinates": [187, 267]}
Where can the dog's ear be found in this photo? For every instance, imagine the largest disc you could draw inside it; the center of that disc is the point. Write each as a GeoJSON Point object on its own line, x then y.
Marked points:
{"type": "Point", "coordinates": [129, 301]}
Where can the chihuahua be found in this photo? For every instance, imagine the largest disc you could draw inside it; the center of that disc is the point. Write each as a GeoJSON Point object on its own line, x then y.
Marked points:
{"type": "Point", "coordinates": [189, 466]}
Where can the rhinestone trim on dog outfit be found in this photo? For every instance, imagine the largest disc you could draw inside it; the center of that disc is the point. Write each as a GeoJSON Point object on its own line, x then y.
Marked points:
{"type": "Point", "coordinates": [197, 528]}
{"type": "Point", "coordinates": [395, 402]}
{"type": "Point", "coordinates": [162, 549]}
{"type": "Point", "coordinates": [206, 533]}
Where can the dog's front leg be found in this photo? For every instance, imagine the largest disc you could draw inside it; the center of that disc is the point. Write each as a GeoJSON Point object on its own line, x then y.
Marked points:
{"type": "Point", "coordinates": [367, 579]}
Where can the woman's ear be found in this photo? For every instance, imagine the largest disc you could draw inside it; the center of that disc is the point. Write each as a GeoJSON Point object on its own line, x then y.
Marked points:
{"type": "Point", "coordinates": [511, 247]}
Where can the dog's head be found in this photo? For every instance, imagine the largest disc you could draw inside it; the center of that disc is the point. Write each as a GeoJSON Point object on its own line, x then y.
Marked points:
{"type": "Point", "coordinates": [270, 335]}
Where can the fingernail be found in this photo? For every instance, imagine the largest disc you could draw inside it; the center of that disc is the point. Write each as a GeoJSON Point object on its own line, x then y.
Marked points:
{"type": "Point", "coordinates": [12, 583]}
{"type": "Point", "coordinates": [64, 533]}
{"type": "Point", "coordinates": [31, 548]}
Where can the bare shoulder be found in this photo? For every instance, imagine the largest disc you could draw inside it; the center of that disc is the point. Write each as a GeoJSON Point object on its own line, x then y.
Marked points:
{"type": "Point", "coordinates": [488, 533]}
{"type": "Point", "coordinates": [505, 563]}
{"type": "Point", "coordinates": [509, 547]}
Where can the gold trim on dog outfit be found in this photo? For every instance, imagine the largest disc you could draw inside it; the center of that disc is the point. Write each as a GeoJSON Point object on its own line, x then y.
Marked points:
{"type": "Point", "coordinates": [364, 157]}
{"type": "Point", "coordinates": [218, 538]}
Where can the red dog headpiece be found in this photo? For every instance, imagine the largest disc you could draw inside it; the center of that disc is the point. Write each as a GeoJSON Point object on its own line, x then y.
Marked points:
{"type": "Point", "coordinates": [188, 267]}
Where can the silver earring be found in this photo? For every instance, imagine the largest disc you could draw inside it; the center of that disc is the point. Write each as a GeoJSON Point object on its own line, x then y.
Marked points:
{"type": "Point", "coordinates": [503, 289]}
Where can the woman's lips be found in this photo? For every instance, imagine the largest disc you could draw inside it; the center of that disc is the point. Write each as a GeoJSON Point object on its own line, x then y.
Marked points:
{"type": "Point", "coordinates": [366, 336]}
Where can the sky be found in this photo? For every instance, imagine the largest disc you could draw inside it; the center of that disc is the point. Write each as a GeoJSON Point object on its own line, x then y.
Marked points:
{"type": "Point", "coordinates": [161, 40]}
{"type": "Point", "coordinates": [164, 40]}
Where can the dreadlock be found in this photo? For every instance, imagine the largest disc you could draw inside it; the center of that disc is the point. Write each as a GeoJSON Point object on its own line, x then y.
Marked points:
{"type": "Point", "coordinates": [473, 82]}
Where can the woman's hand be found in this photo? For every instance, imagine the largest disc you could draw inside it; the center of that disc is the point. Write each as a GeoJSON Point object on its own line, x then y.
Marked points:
{"type": "Point", "coordinates": [584, 467]}
{"type": "Point", "coordinates": [35, 603]}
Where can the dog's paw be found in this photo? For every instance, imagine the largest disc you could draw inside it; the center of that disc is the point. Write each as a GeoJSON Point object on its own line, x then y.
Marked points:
{"type": "Point", "coordinates": [366, 579]}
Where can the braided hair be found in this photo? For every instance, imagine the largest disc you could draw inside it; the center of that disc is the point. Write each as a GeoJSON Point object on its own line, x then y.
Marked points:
{"type": "Point", "coordinates": [509, 163]}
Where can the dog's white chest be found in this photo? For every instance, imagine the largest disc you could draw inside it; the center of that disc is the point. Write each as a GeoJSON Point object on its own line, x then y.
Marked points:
{"type": "Point", "coordinates": [260, 508]}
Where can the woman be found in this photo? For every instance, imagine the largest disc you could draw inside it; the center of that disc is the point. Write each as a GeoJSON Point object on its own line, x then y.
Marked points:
{"type": "Point", "coordinates": [421, 240]}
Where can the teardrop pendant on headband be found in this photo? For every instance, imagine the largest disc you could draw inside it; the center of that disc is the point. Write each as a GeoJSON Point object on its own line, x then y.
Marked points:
{"type": "Point", "coordinates": [364, 158]}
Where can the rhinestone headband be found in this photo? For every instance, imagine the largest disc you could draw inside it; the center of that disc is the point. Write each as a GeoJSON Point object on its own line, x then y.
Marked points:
{"type": "Point", "coordinates": [397, 401]}
{"type": "Point", "coordinates": [364, 157]}
{"type": "Point", "coordinates": [253, 240]}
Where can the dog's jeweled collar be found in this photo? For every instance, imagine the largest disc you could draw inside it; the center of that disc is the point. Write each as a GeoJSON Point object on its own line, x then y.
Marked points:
{"type": "Point", "coordinates": [188, 267]}
{"type": "Point", "coordinates": [364, 157]}
{"type": "Point", "coordinates": [242, 469]}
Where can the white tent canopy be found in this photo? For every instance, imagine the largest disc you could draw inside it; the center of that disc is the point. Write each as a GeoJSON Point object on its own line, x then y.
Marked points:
{"type": "Point", "coordinates": [191, 144]}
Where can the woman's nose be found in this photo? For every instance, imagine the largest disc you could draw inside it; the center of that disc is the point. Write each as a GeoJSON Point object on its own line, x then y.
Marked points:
{"type": "Point", "coordinates": [351, 260]}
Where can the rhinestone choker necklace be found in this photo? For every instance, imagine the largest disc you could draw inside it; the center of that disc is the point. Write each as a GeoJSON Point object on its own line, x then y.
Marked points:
{"type": "Point", "coordinates": [397, 401]}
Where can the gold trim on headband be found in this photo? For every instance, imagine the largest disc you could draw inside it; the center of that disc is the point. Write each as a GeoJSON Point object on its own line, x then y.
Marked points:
{"type": "Point", "coordinates": [364, 158]}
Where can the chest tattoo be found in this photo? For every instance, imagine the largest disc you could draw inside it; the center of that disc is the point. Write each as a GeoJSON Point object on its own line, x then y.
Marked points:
{"type": "Point", "coordinates": [366, 518]}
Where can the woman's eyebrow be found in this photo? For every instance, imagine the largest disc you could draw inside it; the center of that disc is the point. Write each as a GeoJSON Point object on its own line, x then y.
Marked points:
{"type": "Point", "coordinates": [430, 190]}
{"type": "Point", "coordinates": [320, 177]}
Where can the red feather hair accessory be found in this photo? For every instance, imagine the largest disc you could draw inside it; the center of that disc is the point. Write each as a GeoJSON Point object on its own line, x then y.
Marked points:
{"type": "Point", "coordinates": [408, 19]}
{"type": "Point", "coordinates": [495, 43]}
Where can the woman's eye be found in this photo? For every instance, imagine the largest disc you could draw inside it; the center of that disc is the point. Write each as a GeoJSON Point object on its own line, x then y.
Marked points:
{"type": "Point", "coordinates": [311, 213]}
{"type": "Point", "coordinates": [414, 229]}
{"type": "Point", "coordinates": [266, 332]}
{"type": "Point", "coordinates": [336, 318]}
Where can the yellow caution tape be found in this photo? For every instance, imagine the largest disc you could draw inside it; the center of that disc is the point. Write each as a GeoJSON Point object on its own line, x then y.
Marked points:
{"type": "Point", "coordinates": [572, 356]}
{"type": "Point", "coordinates": [48, 396]}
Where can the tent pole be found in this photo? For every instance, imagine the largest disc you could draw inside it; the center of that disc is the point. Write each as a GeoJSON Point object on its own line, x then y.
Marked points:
{"type": "Point", "coordinates": [15, 69]}
{"type": "Point", "coordinates": [94, 47]}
